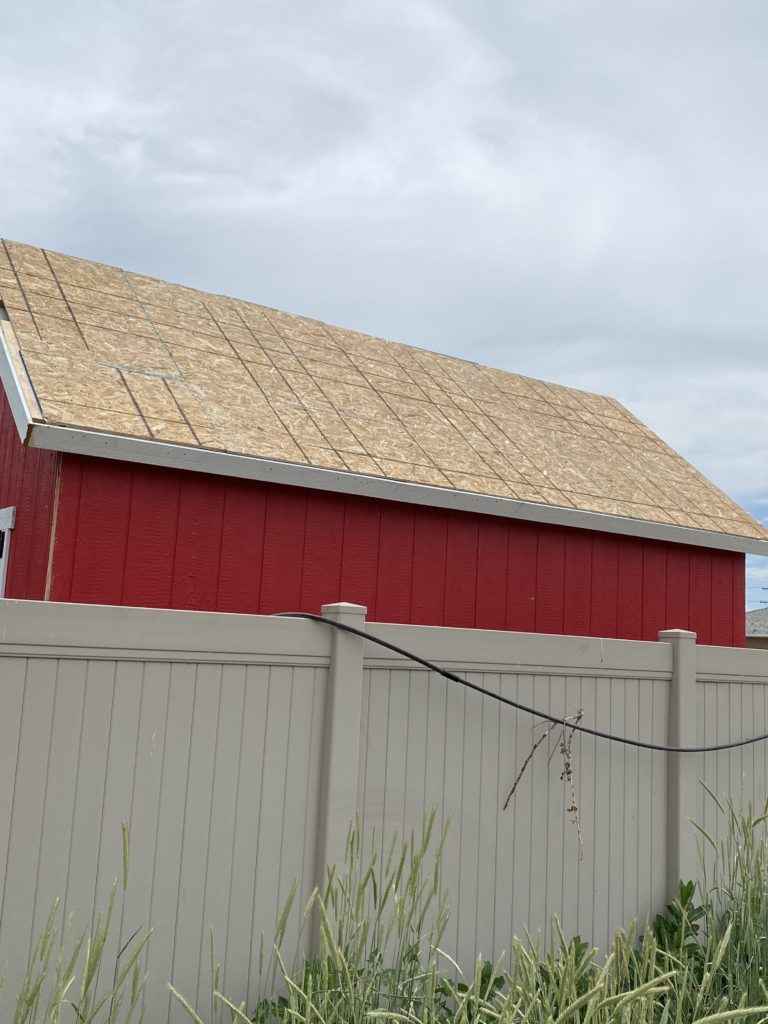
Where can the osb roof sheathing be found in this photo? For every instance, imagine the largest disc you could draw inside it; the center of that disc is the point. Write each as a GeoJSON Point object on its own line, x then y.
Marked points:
{"type": "Point", "coordinates": [109, 350]}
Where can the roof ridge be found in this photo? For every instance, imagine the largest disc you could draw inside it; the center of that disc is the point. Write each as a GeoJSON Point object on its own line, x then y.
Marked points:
{"type": "Point", "coordinates": [316, 319]}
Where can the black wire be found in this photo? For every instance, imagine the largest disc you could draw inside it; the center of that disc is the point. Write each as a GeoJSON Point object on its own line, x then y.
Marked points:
{"type": "Point", "coordinates": [513, 703]}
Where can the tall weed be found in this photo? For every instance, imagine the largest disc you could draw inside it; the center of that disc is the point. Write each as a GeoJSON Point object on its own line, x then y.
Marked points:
{"type": "Point", "coordinates": [374, 935]}
{"type": "Point", "coordinates": [68, 977]}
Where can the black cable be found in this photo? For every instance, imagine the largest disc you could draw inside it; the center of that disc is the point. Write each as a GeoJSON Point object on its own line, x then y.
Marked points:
{"type": "Point", "coordinates": [513, 703]}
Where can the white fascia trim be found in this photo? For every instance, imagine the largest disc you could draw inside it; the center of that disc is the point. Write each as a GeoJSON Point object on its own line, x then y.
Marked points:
{"type": "Point", "coordinates": [13, 390]}
{"type": "Point", "coordinates": [201, 460]}
{"type": "Point", "coordinates": [7, 518]}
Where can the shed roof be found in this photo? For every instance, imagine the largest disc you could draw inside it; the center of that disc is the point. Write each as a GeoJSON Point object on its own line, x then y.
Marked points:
{"type": "Point", "coordinates": [97, 349]}
{"type": "Point", "coordinates": [757, 622]}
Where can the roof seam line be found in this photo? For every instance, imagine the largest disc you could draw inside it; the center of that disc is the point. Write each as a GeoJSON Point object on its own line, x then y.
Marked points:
{"type": "Point", "coordinates": [64, 299]}
{"type": "Point", "coordinates": [301, 400]}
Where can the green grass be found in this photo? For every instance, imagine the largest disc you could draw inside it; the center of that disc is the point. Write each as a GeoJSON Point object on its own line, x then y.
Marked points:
{"type": "Point", "coordinates": [68, 977]}
{"type": "Point", "coordinates": [378, 927]}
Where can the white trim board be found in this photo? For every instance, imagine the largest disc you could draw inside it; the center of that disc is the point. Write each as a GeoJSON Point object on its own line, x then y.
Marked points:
{"type": "Point", "coordinates": [7, 522]}
{"type": "Point", "coordinates": [22, 417]}
{"type": "Point", "coordinates": [201, 460]}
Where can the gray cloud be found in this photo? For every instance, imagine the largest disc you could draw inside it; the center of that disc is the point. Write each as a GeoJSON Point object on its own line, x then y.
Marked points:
{"type": "Point", "coordinates": [574, 191]}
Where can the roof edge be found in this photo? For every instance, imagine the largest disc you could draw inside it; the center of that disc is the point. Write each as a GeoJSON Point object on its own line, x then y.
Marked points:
{"type": "Point", "coordinates": [248, 467]}
{"type": "Point", "coordinates": [22, 416]}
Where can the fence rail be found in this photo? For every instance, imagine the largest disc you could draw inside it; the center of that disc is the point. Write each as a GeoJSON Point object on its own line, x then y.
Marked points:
{"type": "Point", "coordinates": [239, 747]}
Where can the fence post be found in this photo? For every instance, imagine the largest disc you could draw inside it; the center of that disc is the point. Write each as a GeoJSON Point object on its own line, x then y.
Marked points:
{"type": "Point", "coordinates": [341, 737]}
{"type": "Point", "coordinates": [682, 852]}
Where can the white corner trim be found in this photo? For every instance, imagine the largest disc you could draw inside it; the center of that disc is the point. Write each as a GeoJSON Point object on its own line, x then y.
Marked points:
{"type": "Point", "coordinates": [201, 460]}
{"type": "Point", "coordinates": [7, 521]}
{"type": "Point", "coordinates": [22, 417]}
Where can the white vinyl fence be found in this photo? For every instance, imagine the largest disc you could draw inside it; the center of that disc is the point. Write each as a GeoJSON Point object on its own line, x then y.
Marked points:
{"type": "Point", "coordinates": [239, 747]}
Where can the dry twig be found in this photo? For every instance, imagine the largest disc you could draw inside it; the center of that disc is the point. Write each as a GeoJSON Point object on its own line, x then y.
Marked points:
{"type": "Point", "coordinates": [565, 747]}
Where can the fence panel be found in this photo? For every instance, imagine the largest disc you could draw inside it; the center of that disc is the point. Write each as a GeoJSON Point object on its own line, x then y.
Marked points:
{"type": "Point", "coordinates": [732, 704]}
{"type": "Point", "coordinates": [212, 763]}
{"type": "Point", "coordinates": [426, 743]}
{"type": "Point", "coordinates": [236, 748]}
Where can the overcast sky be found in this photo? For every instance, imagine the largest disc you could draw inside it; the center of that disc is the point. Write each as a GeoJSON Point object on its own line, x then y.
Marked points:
{"type": "Point", "coordinates": [575, 191]}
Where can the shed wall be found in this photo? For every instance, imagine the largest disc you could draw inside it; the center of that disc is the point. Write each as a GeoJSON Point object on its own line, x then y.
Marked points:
{"type": "Point", "coordinates": [27, 482]}
{"type": "Point", "coordinates": [138, 535]}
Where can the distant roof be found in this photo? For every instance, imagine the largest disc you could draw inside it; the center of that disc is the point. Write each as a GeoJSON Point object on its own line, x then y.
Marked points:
{"type": "Point", "coordinates": [100, 349]}
{"type": "Point", "coordinates": [757, 622]}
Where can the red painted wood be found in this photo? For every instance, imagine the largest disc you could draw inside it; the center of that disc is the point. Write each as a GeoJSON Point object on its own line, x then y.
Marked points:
{"type": "Point", "coordinates": [738, 618]}
{"type": "Point", "coordinates": [550, 581]}
{"type": "Point", "coordinates": [578, 583]}
{"type": "Point", "coordinates": [68, 527]}
{"type": "Point", "coordinates": [604, 598]}
{"type": "Point", "coordinates": [147, 536]}
{"type": "Point", "coordinates": [360, 557]}
{"type": "Point", "coordinates": [522, 563]}
{"type": "Point", "coordinates": [45, 476]}
{"type": "Point", "coordinates": [323, 545]}
{"type": "Point", "coordinates": [395, 570]}
{"type": "Point", "coordinates": [242, 548]}
{"type": "Point", "coordinates": [101, 545]}
{"type": "Point", "coordinates": [284, 533]}
{"type": "Point", "coordinates": [701, 593]}
{"type": "Point", "coordinates": [678, 588]}
{"type": "Point", "coordinates": [492, 555]}
{"type": "Point", "coordinates": [724, 565]}
{"type": "Point", "coordinates": [629, 607]}
{"type": "Point", "coordinates": [27, 483]}
{"type": "Point", "coordinates": [654, 588]}
{"type": "Point", "coordinates": [461, 571]}
{"type": "Point", "coordinates": [197, 557]}
{"type": "Point", "coordinates": [430, 541]}
{"type": "Point", "coordinates": [153, 526]}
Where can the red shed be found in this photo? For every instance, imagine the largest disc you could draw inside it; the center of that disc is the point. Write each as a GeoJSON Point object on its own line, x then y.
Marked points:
{"type": "Point", "coordinates": [166, 447]}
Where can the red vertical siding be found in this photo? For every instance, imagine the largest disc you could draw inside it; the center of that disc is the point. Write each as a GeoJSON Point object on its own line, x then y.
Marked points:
{"type": "Point", "coordinates": [578, 583]}
{"type": "Point", "coordinates": [604, 598]}
{"type": "Point", "coordinates": [738, 618]}
{"type": "Point", "coordinates": [153, 527]}
{"type": "Point", "coordinates": [522, 572]}
{"type": "Point", "coordinates": [242, 548]}
{"type": "Point", "coordinates": [67, 527]}
{"type": "Point", "coordinates": [701, 592]}
{"type": "Point", "coordinates": [323, 547]}
{"type": "Point", "coordinates": [360, 556]}
{"type": "Point", "coordinates": [678, 588]}
{"type": "Point", "coordinates": [101, 544]}
{"type": "Point", "coordinates": [430, 541]}
{"type": "Point", "coordinates": [146, 536]}
{"type": "Point", "coordinates": [654, 588]}
{"type": "Point", "coordinates": [197, 546]}
{"type": "Point", "coordinates": [723, 620]}
{"type": "Point", "coordinates": [550, 581]}
{"type": "Point", "coordinates": [492, 555]}
{"type": "Point", "coordinates": [461, 571]}
{"type": "Point", "coordinates": [395, 564]}
{"type": "Point", "coordinates": [283, 562]}
{"type": "Point", "coordinates": [27, 483]}
{"type": "Point", "coordinates": [629, 607]}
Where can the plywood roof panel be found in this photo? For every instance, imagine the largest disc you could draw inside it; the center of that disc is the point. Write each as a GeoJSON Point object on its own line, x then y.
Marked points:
{"type": "Point", "coordinates": [110, 350]}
